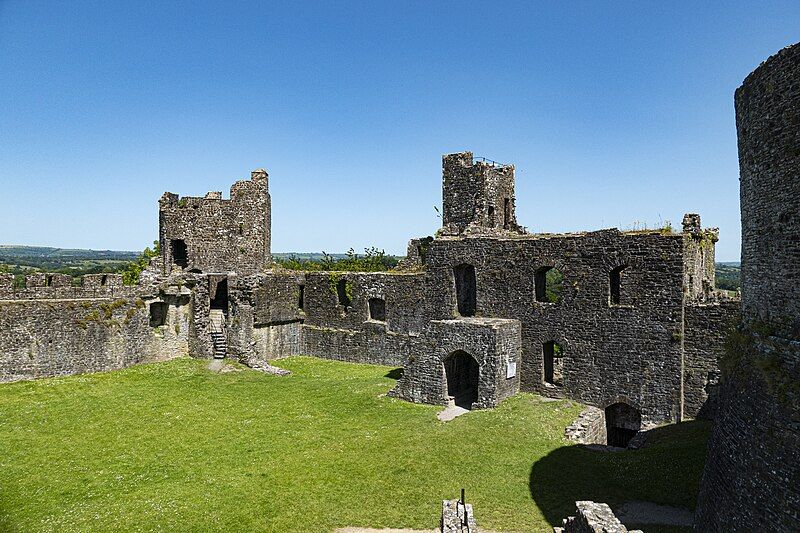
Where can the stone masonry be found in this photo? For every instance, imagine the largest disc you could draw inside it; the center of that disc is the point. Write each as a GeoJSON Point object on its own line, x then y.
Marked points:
{"type": "Point", "coordinates": [751, 481]}
{"type": "Point", "coordinates": [211, 234]}
{"type": "Point", "coordinates": [635, 327]}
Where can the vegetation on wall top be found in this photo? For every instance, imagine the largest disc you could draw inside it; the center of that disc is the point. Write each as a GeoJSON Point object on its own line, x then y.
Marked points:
{"type": "Point", "coordinates": [373, 260]}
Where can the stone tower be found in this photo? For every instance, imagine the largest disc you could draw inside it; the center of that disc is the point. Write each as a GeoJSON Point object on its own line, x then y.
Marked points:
{"type": "Point", "coordinates": [752, 478]}
{"type": "Point", "coordinates": [216, 235]}
{"type": "Point", "coordinates": [477, 196]}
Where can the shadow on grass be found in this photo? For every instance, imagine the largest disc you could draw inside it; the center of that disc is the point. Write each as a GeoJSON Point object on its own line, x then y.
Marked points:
{"type": "Point", "coordinates": [666, 471]}
{"type": "Point", "coordinates": [395, 373]}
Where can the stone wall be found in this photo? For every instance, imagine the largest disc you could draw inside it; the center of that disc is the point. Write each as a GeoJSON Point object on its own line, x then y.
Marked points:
{"type": "Point", "coordinates": [588, 428]}
{"type": "Point", "coordinates": [269, 322]}
{"type": "Point", "coordinates": [630, 350]}
{"type": "Point", "coordinates": [43, 338]}
{"type": "Point", "coordinates": [707, 325]}
{"type": "Point", "coordinates": [218, 235]}
{"type": "Point", "coordinates": [60, 286]}
{"type": "Point", "coordinates": [493, 343]}
{"type": "Point", "coordinates": [751, 481]}
{"type": "Point", "coordinates": [51, 327]}
{"type": "Point", "coordinates": [593, 517]}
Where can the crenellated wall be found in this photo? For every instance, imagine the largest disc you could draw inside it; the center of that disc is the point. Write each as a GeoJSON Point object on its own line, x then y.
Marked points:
{"type": "Point", "coordinates": [218, 235]}
{"type": "Point", "coordinates": [52, 327]}
{"type": "Point", "coordinates": [45, 285]}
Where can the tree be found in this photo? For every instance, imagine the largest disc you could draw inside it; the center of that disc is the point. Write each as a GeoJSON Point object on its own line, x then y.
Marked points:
{"type": "Point", "coordinates": [131, 273]}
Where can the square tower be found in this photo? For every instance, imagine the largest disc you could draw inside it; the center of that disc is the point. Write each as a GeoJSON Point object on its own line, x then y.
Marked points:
{"type": "Point", "coordinates": [212, 234]}
{"type": "Point", "coordinates": [477, 196]}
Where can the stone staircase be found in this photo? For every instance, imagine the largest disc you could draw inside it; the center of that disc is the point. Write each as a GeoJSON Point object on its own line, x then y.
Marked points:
{"type": "Point", "coordinates": [218, 333]}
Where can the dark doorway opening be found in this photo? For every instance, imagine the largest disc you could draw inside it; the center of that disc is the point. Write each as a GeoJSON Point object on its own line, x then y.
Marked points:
{"type": "Point", "coordinates": [462, 373]}
{"type": "Point", "coordinates": [158, 314]}
{"type": "Point", "coordinates": [466, 294]}
{"type": "Point", "coordinates": [553, 363]}
{"type": "Point", "coordinates": [219, 294]}
{"type": "Point", "coordinates": [377, 309]}
{"type": "Point", "coordinates": [180, 256]}
{"type": "Point", "coordinates": [615, 285]}
{"type": "Point", "coordinates": [622, 423]}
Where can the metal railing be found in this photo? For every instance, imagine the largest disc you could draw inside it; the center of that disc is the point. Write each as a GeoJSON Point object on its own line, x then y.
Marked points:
{"type": "Point", "coordinates": [488, 161]}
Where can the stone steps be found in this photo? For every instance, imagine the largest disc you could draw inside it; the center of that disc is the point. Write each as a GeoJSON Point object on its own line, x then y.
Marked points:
{"type": "Point", "coordinates": [218, 338]}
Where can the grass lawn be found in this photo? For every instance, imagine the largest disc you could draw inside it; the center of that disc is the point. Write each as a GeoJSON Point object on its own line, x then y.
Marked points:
{"type": "Point", "coordinates": [173, 446]}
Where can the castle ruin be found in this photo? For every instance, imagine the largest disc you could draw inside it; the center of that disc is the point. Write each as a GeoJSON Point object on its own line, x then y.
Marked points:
{"type": "Point", "coordinates": [630, 324]}
{"type": "Point", "coordinates": [627, 322]}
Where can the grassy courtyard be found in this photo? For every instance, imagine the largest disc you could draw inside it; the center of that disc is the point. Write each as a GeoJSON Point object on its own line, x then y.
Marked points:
{"type": "Point", "coordinates": [174, 446]}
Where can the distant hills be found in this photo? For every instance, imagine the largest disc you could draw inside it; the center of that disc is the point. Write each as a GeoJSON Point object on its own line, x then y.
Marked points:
{"type": "Point", "coordinates": [10, 252]}
{"type": "Point", "coordinates": [24, 259]}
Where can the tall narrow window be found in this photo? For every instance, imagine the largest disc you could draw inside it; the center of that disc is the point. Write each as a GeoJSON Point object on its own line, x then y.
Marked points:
{"type": "Point", "coordinates": [548, 284]}
{"type": "Point", "coordinates": [343, 290]}
{"type": "Point", "coordinates": [377, 309]}
{"type": "Point", "coordinates": [466, 295]}
{"type": "Point", "coordinates": [553, 363]}
{"type": "Point", "coordinates": [301, 296]}
{"type": "Point", "coordinates": [48, 280]}
{"type": "Point", "coordinates": [104, 279]}
{"type": "Point", "coordinates": [180, 256]}
{"type": "Point", "coordinates": [506, 212]}
{"type": "Point", "coordinates": [615, 285]}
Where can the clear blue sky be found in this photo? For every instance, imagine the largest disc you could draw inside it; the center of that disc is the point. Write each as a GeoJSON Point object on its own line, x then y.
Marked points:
{"type": "Point", "coordinates": [615, 114]}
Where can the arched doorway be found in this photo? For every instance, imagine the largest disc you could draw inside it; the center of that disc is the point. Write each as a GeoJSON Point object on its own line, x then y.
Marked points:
{"type": "Point", "coordinates": [462, 373]}
{"type": "Point", "coordinates": [622, 423]}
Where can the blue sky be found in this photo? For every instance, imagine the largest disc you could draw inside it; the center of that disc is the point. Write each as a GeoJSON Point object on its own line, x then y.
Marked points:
{"type": "Point", "coordinates": [615, 114]}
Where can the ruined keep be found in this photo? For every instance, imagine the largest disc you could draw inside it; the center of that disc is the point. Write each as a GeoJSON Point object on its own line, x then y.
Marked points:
{"type": "Point", "coordinates": [752, 478]}
{"type": "Point", "coordinates": [627, 321]}
{"type": "Point", "coordinates": [211, 234]}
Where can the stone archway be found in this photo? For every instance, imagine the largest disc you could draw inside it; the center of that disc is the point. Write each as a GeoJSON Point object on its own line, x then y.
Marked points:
{"type": "Point", "coordinates": [623, 421]}
{"type": "Point", "coordinates": [462, 374]}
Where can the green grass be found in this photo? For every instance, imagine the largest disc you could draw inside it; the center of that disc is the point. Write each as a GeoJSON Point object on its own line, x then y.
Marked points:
{"type": "Point", "coordinates": [173, 446]}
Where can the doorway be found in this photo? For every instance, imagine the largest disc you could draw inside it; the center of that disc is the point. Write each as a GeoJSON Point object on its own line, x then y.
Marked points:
{"type": "Point", "coordinates": [622, 423]}
{"type": "Point", "coordinates": [462, 373]}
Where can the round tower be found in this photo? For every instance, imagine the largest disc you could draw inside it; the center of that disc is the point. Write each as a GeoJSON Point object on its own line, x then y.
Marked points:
{"type": "Point", "coordinates": [752, 477]}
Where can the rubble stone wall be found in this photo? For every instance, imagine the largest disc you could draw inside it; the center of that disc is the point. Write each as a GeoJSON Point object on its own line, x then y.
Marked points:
{"type": "Point", "coordinates": [707, 326]}
{"type": "Point", "coordinates": [55, 337]}
{"type": "Point", "coordinates": [631, 350]}
{"type": "Point", "coordinates": [220, 235]}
